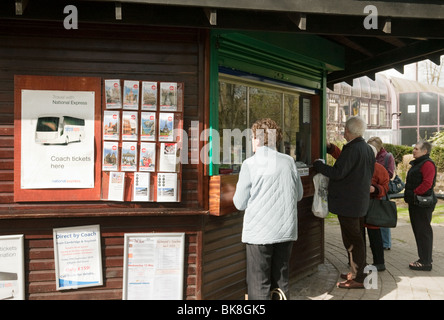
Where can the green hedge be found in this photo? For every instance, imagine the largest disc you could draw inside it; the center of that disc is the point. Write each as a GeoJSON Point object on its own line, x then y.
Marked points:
{"type": "Point", "coordinates": [437, 154]}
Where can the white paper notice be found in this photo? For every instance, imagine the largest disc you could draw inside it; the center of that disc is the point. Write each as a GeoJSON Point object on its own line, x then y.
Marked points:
{"type": "Point", "coordinates": [141, 187]}
{"type": "Point", "coordinates": [116, 186]}
{"type": "Point", "coordinates": [166, 187]}
{"type": "Point", "coordinates": [154, 267]}
{"type": "Point", "coordinates": [168, 157]}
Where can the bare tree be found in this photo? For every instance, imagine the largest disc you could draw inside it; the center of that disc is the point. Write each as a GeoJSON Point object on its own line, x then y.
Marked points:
{"type": "Point", "coordinates": [433, 71]}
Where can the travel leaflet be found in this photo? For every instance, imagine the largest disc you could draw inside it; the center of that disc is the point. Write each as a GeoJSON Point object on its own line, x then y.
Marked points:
{"type": "Point", "coordinates": [147, 157]}
{"type": "Point", "coordinates": [113, 94]}
{"type": "Point", "coordinates": [129, 156]}
{"type": "Point", "coordinates": [168, 158]}
{"type": "Point", "coordinates": [111, 125]}
{"type": "Point", "coordinates": [166, 126]}
{"type": "Point", "coordinates": [141, 186]}
{"type": "Point", "coordinates": [148, 126]}
{"type": "Point", "coordinates": [168, 96]}
{"type": "Point", "coordinates": [110, 155]}
{"type": "Point", "coordinates": [149, 96]}
{"type": "Point", "coordinates": [167, 187]}
{"type": "Point", "coordinates": [129, 125]}
{"type": "Point", "coordinates": [131, 95]}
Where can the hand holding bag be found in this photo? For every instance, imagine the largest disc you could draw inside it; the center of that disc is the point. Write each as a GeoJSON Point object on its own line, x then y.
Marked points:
{"type": "Point", "coordinates": [382, 213]}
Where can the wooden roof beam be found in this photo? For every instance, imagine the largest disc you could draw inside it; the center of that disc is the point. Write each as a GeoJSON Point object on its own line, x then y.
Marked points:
{"type": "Point", "coordinates": [299, 19]}
{"type": "Point", "coordinates": [211, 16]}
{"type": "Point", "coordinates": [20, 6]}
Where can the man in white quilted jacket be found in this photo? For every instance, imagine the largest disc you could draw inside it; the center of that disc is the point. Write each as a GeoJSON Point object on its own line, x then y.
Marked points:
{"type": "Point", "coordinates": [268, 190]}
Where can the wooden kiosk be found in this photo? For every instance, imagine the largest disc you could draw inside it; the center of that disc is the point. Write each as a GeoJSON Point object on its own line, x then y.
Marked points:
{"type": "Point", "coordinates": [38, 57]}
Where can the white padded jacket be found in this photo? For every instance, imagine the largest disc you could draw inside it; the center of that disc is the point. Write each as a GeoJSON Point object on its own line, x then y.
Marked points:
{"type": "Point", "coordinates": [268, 189]}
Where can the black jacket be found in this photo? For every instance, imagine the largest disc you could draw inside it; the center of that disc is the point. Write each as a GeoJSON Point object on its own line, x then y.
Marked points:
{"type": "Point", "coordinates": [414, 179]}
{"type": "Point", "coordinates": [350, 179]}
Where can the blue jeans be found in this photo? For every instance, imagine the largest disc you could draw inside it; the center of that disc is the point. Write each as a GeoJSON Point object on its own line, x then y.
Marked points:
{"type": "Point", "coordinates": [386, 237]}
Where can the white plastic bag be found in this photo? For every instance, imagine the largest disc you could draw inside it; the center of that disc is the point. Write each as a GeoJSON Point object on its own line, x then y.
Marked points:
{"type": "Point", "coordinates": [320, 203]}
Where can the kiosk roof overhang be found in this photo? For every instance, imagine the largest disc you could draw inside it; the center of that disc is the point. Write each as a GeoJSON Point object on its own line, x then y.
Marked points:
{"type": "Point", "coordinates": [407, 30]}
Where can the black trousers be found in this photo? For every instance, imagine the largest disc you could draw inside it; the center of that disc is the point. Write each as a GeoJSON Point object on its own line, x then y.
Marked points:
{"type": "Point", "coordinates": [267, 269]}
{"type": "Point", "coordinates": [353, 239]}
{"type": "Point", "coordinates": [376, 246]}
{"type": "Point", "coordinates": [420, 219]}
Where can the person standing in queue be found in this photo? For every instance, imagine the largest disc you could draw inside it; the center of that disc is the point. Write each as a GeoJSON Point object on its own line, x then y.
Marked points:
{"type": "Point", "coordinates": [388, 161]}
{"type": "Point", "coordinates": [348, 195]}
{"type": "Point", "coordinates": [421, 179]}
{"type": "Point", "coordinates": [268, 189]}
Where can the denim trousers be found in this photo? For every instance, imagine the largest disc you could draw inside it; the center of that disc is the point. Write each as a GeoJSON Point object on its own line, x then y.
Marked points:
{"type": "Point", "coordinates": [386, 237]}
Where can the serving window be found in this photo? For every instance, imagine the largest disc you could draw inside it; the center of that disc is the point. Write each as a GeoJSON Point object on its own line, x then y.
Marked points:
{"type": "Point", "coordinates": [243, 101]}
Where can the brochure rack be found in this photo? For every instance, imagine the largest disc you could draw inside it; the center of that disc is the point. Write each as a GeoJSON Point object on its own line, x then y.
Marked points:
{"type": "Point", "coordinates": [142, 140]}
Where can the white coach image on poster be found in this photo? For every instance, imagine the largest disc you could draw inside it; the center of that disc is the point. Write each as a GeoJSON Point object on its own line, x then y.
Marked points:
{"type": "Point", "coordinates": [57, 139]}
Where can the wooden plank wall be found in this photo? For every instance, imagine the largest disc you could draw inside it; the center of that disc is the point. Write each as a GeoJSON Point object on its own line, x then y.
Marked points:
{"type": "Point", "coordinates": [40, 280]}
{"type": "Point", "coordinates": [106, 51]}
{"type": "Point", "coordinates": [223, 257]}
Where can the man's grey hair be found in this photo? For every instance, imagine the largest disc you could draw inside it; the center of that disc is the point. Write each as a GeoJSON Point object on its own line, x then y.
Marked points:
{"type": "Point", "coordinates": [356, 126]}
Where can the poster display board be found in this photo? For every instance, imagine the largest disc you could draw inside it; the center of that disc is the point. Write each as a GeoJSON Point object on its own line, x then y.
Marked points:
{"type": "Point", "coordinates": [12, 270]}
{"type": "Point", "coordinates": [153, 266]}
{"type": "Point", "coordinates": [57, 137]}
{"type": "Point", "coordinates": [78, 258]}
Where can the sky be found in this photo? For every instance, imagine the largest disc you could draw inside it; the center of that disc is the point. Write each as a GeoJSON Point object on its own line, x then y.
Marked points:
{"type": "Point", "coordinates": [410, 72]}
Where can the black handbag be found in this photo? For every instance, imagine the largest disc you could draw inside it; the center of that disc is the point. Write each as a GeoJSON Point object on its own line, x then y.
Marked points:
{"type": "Point", "coordinates": [396, 185]}
{"type": "Point", "coordinates": [424, 201]}
{"type": "Point", "coordinates": [382, 213]}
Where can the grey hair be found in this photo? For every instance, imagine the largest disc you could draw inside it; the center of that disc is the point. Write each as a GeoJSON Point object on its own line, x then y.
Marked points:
{"type": "Point", "coordinates": [356, 126]}
{"type": "Point", "coordinates": [424, 146]}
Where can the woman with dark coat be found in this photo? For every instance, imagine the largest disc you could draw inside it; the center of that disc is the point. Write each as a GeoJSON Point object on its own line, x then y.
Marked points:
{"type": "Point", "coordinates": [420, 181]}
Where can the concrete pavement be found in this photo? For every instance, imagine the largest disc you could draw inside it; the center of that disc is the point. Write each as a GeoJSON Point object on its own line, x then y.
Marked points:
{"type": "Point", "coordinates": [397, 282]}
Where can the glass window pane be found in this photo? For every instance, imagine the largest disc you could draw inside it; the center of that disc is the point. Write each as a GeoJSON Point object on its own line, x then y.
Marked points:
{"type": "Point", "coordinates": [232, 115]}
{"type": "Point", "coordinates": [291, 124]}
{"type": "Point", "coordinates": [264, 103]}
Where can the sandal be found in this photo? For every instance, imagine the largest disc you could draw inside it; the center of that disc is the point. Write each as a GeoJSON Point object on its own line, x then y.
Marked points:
{"type": "Point", "coordinates": [350, 284]}
{"type": "Point", "coordinates": [347, 276]}
{"type": "Point", "coordinates": [420, 266]}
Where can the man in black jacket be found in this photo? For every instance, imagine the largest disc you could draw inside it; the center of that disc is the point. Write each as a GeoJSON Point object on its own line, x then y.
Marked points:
{"type": "Point", "coordinates": [349, 194]}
